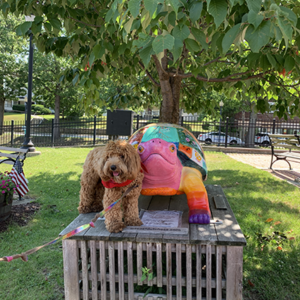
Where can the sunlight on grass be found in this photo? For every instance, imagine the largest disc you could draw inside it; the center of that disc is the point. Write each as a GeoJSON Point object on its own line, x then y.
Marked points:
{"type": "Point", "coordinates": [254, 195]}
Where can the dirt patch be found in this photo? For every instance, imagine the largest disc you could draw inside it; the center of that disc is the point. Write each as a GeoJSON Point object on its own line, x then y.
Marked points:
{"type": "Point", "coordinates": [20, 214]}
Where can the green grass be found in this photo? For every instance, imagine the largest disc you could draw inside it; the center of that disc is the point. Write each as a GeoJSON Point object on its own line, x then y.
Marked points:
{"type": "Point", "coordinates": [254, 195]}
{"type": "Point", "coordinates": [21, 117]}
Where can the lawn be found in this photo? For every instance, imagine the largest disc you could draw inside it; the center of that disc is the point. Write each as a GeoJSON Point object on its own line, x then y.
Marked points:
{"type": "Point", "coordinates": [21, 117]}
{"type": "Point", "coordinates": [255, 196]}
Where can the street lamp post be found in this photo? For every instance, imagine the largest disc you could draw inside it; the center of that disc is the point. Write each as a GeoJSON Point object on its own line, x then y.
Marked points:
{"type": "Point", "coordinates": [27, 142]}
{"type": "Point", "coordinates": [221, 106]}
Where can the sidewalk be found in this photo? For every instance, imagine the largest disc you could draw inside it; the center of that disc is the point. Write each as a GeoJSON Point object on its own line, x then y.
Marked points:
{"type": "Point", "coordinates": [280, 168]}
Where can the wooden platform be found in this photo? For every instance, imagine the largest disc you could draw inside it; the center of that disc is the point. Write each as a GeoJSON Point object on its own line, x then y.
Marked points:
{"type": "Point", "coordinates": [206, 264]}
{"type": "Point", "coordinates": [227, 233]}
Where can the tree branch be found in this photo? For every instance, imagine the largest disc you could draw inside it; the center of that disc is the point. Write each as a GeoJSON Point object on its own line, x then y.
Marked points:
{"type": "Point", "coordinates": [148, 74]}
{"type": "Point", "coordinates": [228, 78]}
{"type": "Point", "coordinates": [159, 66]}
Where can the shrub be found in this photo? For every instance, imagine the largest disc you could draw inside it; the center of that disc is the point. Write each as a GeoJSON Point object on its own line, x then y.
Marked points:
{"type": "Point", "coordinates": [40, 109]}
{"type": "Point", "coordinates": [19, 107]}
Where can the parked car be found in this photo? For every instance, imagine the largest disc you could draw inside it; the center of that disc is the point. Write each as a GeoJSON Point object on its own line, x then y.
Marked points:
{"type": "Point", "coordinates": [262, 139]}
{"type": "Point", "coordinates": [214, 137]}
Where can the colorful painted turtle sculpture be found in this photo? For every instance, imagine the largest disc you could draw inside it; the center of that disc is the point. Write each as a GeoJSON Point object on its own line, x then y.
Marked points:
{"type": "Point", "coordinates": [174, 164]}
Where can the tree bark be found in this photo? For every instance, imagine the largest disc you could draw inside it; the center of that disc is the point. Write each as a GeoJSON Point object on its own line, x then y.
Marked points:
{"type": "Point", "coordinates": [56, 117]}
{"type": "Point", "coordinates": [251, 129]}
{"type": "Point", "coordinates": [170, 90]}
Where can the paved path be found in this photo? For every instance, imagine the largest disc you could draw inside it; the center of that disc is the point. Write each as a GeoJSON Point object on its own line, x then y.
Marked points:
{"type": "Point", "coordinates": [280, 168]}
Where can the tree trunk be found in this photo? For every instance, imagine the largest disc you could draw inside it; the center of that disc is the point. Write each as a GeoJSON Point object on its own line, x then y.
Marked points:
{"type": "Point", "coordinates": [251, 129]}
{"type": "Point", "coordinates": [170, 90]}
{"type": "Point", "coordinates": [56, 117]}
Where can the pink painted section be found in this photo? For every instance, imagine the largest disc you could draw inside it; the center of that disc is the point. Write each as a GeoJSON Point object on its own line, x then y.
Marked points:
{"type": "Point", "coordinates": [163, 166]}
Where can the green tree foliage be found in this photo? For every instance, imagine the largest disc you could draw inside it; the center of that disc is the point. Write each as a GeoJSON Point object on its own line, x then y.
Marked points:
{"type": "Point", "coordinates": [50, 89]}
{"type": "Point", "coordinates": [176, 49]}
{"type": "Point", "coordinates": [12, 66]}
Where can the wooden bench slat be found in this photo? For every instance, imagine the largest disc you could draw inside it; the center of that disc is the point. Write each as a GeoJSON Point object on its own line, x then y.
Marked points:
{"type": "Point", "coordinates": [14, 149]}
{"type": "Point", "coordinates": [229, 232]}
{"type": "Point", "coordinates": [288, 141]}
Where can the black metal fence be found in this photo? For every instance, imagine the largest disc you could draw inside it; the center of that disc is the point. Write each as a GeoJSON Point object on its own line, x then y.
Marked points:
{"type": "Point", "coordinates": [92, 131]}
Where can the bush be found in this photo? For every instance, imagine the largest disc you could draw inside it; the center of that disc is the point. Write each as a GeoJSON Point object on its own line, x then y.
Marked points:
{"type": "Point", "coordinates": [19, 107]}
{"type": "Point", "coordinates": [40, 109]}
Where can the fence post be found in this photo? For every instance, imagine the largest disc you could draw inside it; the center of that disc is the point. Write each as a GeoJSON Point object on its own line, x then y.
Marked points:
{"type": "Point", "coordinates": [226, 132]}
{"type": "Point", "coordinates": [181, 121]}
{"type": "Point", "coordinates": [273, 131]}
{"type": "Point", "coordinates": [137, 122]}
{"type": "Point", "coordinates": [52, 133]}
{"type": "Point", "coordinates": [12, 133]}
{"type": "Point", "coordinates": [95, 124]}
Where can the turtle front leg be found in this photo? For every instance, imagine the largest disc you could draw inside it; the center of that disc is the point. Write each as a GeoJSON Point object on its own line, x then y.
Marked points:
{"type": "Point", "coordinates": [192, 185]}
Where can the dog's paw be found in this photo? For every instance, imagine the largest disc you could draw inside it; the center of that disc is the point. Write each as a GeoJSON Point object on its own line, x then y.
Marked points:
{"type": "Point", "coordinates": [133, 222]}
{"type": "Point", "coordinates": [115, 227]}
{"type": "Point", "coordinates": [84, 209]}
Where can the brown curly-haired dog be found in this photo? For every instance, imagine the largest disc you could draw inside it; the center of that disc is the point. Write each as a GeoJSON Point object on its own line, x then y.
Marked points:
{"type": "Point", "coordinates": [114, 165]}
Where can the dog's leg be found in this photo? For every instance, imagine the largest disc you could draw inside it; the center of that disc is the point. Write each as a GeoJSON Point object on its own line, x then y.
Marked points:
{"type": "Point", "coordinates": [131, 210]}
{"type": "Point", "coordinates": [113, 218]}
{"type": "Point", "coordinates": [90, 192]}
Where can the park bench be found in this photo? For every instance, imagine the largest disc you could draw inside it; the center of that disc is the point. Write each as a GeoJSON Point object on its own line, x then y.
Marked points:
{"type": "Point", "coordinates": [286, 141]}
{"type": "Point", "coordinates": [8, 155]}
{"type": "Point", "coordinates": [206, 263]}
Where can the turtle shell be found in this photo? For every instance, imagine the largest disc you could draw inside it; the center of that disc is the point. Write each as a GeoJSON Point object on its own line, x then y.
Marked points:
{"type": "Point", "coordinates": [189, 150]}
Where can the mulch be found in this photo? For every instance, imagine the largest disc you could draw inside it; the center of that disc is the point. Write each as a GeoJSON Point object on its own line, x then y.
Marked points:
{"type": "Point", "coordinates": [20, 215]}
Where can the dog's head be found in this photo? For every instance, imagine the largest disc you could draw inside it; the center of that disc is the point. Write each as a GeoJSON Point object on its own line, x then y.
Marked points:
{"type": "Point", "coordinates": [119, 161]}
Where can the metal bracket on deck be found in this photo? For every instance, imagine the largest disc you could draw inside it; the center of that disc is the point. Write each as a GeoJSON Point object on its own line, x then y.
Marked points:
{"type": "Point", "coordinates": [216, 222]}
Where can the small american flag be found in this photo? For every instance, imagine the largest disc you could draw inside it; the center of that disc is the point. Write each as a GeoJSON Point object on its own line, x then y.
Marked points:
{"type": "Point", "coordinates": [18, 178]}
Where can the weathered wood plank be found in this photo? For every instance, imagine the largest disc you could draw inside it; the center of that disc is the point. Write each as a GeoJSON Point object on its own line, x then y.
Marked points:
{"type": "Point", "coordinates": [203, 234]}
{"type": "Point", "coordinates": [79, 221]}
{"type": "Point", "coordinates": [111, 255]}
{"type": "Point", "coordinates": [229, 232]}
{"type": "Point", "coordinates": [139, 262]}
{"type": "Point", "coordinates": [102, 269]}
{"type": "Point", "coordinates": [208, 272]}
{"type": "Point", "coordinates": [159, 264]}
{"type": "Point", "coordinates": [144, 202]}
{"type": "Point", "coordinates": [98, 233]}
{"type": "Point", "coordinates": [159, 203]}
{"type": "Point", "coordinates": [71, 276]}
{"type": "Point", "coordinates": [169, 270]}
{"type": "Point", "coordinates": [13, 149]}
{"type": "Point", "coordinates": [84, 262]}
{"type": "Point", "coordinates": [219, 273]}
{"type": "Point", "coordinates": [198, 272]}
{"type": "Point", "coordinates": [234, 273]}
{"type": "Point", "coordinates": [189, 271]}
{"type": "Point", "coordinates": [178, 202]}
{"type": "Point", "coordinates": [149, 237]}
{"type": "Point", "coordinates": [178, 272]}
{"type": "Point", "coordinates": [94, 267]}
{"type": "Point", "coordinates": [130, 270]}
{"type": "Point", "coordinates": [121, 269]}
{"type": "Point", "coordinates": [149, 261]}
{"type": "Point", "coordinates": [219, 202]}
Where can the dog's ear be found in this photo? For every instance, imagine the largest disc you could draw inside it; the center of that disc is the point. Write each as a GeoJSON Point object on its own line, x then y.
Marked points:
{"type": "Point", "coordinates": [101, 161]}
{"type": "Point", "coordinates": [133, 162]}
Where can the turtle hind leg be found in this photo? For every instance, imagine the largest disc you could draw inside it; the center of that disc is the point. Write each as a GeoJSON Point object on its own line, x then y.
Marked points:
{"type": "Point", "coordinates": [199, 216]}
{"type": "Point", "coordinates": [192, 185]}
{"type": "Point", "coordinates": [199, 212]}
